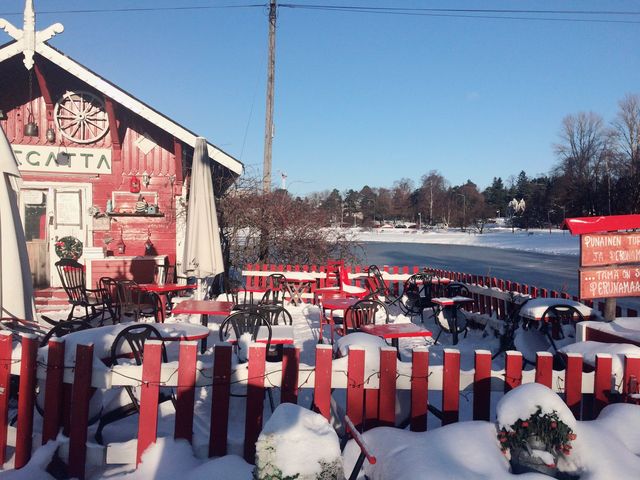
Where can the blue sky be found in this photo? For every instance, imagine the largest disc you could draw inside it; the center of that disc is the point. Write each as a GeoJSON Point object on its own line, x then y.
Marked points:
{"type": "Point", "coordinates": [362, 98]}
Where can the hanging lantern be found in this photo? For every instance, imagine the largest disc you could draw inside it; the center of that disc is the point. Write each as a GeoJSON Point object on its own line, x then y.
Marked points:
{"type": "Point", "coordinates": [134, 185]}
{"type": "Point", "coordinates": [50, 135]}
{"type": "Point", "coordinates": [31, 127]}
{"type": "Point", "coordinates": [148, 247]}
{"type": "Point", "coordinates": [121, 246]}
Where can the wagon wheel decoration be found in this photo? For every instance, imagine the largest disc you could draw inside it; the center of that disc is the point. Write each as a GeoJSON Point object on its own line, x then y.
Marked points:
{"type": "Point", "coordinates": [81, 117]}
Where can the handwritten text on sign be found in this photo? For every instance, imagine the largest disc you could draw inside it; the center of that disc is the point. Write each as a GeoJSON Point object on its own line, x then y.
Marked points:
{"type": "Point", "coordinates": [609, 249]}
{"type": "Point", "coordinates": [610, 282]}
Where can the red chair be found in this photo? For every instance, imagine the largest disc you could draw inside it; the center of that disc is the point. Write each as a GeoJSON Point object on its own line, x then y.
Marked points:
{"type": "Point", "coordinates": [337, 281]}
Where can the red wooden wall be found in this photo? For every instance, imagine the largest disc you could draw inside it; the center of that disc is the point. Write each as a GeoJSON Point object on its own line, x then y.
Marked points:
{"type": "Point", "coordinates": [163, 162]}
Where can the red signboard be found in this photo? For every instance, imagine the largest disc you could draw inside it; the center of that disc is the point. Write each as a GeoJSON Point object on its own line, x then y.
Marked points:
{"type": "Point", "coordinates": [610, 282]}
{"type": "Point", "coordinates": [609, 249]}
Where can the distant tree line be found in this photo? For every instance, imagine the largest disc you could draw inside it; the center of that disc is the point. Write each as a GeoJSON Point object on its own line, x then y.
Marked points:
{"type": "Point", "coordinates": [597, 173]}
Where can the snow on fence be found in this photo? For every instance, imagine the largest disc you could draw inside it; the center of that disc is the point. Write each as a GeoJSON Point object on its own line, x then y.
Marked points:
{"type": "Point", "coordinates": [370, 391]}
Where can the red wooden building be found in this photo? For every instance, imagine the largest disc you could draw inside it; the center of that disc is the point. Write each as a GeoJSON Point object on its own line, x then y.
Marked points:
{"type": "Point", "coordinates": [98, 164]}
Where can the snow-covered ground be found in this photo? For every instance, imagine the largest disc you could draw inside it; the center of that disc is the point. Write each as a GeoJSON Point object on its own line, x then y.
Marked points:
{"type": "Point", "coordinates": [534, 240]}
{"type": "Point", "coordinates": [465, 450]}
{"type": "Point", "coordinates": [607, 448]}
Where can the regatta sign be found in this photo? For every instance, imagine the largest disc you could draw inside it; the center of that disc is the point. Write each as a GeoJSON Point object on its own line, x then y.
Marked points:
{"type": "Point", "coordinates": [55, 159]}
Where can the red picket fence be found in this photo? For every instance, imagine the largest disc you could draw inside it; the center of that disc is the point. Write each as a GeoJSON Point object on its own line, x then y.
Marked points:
{"type": "Point", "coordinates": [370, 395]}
{"type": "Point", "coordinates": [491, 294]}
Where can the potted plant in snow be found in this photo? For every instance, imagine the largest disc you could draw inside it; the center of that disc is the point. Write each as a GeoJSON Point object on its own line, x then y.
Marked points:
{"type": "Point", "coordinates": [535, 443]}
{"type": "Point", "coordinates": [535, 430]}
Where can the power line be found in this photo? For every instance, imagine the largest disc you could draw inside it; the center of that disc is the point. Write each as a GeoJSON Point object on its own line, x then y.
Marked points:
{"type": "Point", "coordinates": [456, 10]}
{"type": "Point", "coordinates": [473, 13]}
{"type": "Point", "coordinates": [141, 9]}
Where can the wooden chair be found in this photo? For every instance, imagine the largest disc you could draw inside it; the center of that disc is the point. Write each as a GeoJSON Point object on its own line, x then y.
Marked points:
{"type": "Point", "coordinates": [129, 343]}
{"type": "Point", "coordinates": [337, 280]}
{"type": "Point", "coordinates": [332, 281]}
{"type": "Point", "coordinates": [72, 276]}
{"type": "Point", "coordinates": [135, 302]}
{"type": "Point", "coordinates": [109, 287]}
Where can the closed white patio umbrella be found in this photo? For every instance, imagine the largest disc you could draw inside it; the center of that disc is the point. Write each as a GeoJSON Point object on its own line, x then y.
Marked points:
{"type": "Point", "coordinates": [16, 288]}
{"type": "Point", "coordinates": [202, 255]}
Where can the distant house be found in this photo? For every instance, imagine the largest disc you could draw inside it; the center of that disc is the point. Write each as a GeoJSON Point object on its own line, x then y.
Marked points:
{"type": "Point", "coordinates": [97, 163]}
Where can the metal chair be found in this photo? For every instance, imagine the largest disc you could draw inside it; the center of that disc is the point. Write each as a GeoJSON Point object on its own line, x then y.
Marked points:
{"type": "Point", "coordinates": [417, 294]}
{"type": "Point", "coordinates": [276, 291]}
{"type": "Point", "coordinates": [275, 314]}
{"type": "Point", "coordinates": [65, 328]}
{"type": "Point", "coordinates": [129, 343]}
{"type": "Point", "coordinates": [20, 327]}
{"type": "Point", "coordinates": [455, 323]}
{"type": "Point", "coordinates": [379, 288]}
{"type": "Point", "coordinates": [135, 302]}
{"type": "Point", "coordinates": [246, 321]}
{"type": "Point", "coordinates": [72, 276]}
{"type": "Point", "coordinates": [364, 312]}
{"type": "Point", "coordinates": [552, 324]}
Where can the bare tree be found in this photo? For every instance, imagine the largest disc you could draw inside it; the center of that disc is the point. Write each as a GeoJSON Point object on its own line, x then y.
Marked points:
{"type": "Point", "coordinates": [401, 194]}
{"type": "Point", "coordinates": [583, 142]}
{"type": "Point", "coordinates": [275, 227]}
{"type": "Point", "coordinates": [627, 145]}
{"type": "Point", "coordinates": [433, 197]}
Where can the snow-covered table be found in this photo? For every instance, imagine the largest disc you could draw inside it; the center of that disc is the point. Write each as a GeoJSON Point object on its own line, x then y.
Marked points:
{"type": "Point", "coordinates": [534, 309]}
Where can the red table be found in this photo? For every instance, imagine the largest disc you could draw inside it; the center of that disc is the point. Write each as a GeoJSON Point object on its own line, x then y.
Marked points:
{"type": "Point", "coordinates": [164, 291]}
{"type": "Point", "coordinates": [332, 304]}
{"type": "Point", "coordinates": [204, 308]}
{"type": "Point", "coordinates": [394, 331]}
{"type": "Point", "coordinates": [180, 331]}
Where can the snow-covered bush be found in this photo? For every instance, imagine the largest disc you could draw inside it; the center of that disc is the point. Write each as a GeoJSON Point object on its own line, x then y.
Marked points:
{"type": "Point", "coordinates": [299, 444]}
{"type": "Point", "coordinates": [535, 427]}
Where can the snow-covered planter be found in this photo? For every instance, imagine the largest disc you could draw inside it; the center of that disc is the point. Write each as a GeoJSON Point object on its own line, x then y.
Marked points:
{"type": "Point", "coordinates": [535, 429]}
{"type": "Point", "coordinates": [299, 444]}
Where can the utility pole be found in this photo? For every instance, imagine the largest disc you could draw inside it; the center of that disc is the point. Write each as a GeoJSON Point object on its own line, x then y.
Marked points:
{"type": "Point", "coordinates": [271, 73]}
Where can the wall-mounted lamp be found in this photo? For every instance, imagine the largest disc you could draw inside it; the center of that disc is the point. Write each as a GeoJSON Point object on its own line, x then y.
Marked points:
{"type": "Point", "coordinates": [51, 135]}
{"type": "Point", "coordinates": [146, 179]}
